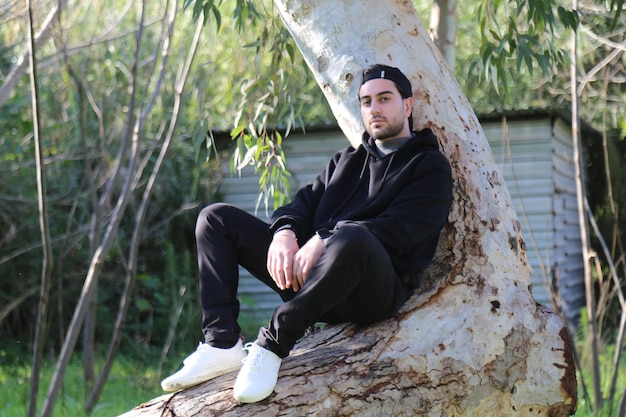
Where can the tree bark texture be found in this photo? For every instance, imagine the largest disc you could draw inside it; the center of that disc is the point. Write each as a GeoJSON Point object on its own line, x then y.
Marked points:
{"type": "Point", "coordinates": [471, 341]}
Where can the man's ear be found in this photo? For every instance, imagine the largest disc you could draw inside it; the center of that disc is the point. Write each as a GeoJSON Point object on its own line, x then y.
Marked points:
{"type": "Point", "coordinates": [408, 106]}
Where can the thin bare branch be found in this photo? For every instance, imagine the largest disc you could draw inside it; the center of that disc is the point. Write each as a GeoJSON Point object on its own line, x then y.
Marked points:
{"type": "Point", "coordinates": [12, 305]}
{"type": "Point", "coordinates": [604, 40]}
{"type": "Point", "coordinates": [614, 54]}
{"type": "Point", "coordinates": [20, 68]}
{"type": "Point", "coordinates": [47, 263]}
{"type": "Point", "coordinates": [620, 295]}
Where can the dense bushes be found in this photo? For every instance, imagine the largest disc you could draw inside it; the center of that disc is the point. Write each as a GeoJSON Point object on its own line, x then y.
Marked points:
{"type": "Point", "coordinates": [161, 270]}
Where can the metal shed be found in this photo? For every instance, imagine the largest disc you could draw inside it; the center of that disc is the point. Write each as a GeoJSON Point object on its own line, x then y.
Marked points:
{"type": "Point", "coordinates": [534, 149]}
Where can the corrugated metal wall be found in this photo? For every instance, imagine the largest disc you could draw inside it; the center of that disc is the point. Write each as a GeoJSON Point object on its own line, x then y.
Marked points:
{"type": "Point", "coordinates": [567, 264]}
{"type": "Point", "coordinates": [536, 159]}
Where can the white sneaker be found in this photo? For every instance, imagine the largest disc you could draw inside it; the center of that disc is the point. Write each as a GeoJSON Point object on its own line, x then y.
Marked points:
{"type": "Point", "coordinates": [205, 363]}
{"type": "Point", "coordinates": [257, 378]}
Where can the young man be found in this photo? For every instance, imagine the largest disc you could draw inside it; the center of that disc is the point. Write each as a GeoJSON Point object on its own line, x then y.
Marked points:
{"type": "Point", "coordinates": [348, 248]}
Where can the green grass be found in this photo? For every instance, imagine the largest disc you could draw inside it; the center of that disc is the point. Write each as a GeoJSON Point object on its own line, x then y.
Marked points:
{"type": "Point", "coordinates": [130, 383]}
{"type": "Point", "coordinates": [606, 353]}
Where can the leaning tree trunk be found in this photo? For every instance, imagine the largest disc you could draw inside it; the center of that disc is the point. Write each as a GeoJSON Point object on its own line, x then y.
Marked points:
{"type": "Point", "coordinates": [472, 341]}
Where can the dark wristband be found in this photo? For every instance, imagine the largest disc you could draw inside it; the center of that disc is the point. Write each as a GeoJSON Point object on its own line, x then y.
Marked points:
{"type": "Point", "coordinates": [323, 234]}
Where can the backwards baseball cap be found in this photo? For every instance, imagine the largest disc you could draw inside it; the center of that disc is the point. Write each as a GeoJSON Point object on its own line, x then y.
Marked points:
{"type": "Point", "coordinates": [390, 73]}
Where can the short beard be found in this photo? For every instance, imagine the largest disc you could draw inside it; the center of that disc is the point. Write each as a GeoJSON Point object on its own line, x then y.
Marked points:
{"type": "Point", "coordinates": [388, 132]}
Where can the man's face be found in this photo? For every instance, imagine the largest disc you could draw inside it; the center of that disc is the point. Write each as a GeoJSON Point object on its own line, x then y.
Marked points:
{"type": "Point", "coordinates": [385, 113]}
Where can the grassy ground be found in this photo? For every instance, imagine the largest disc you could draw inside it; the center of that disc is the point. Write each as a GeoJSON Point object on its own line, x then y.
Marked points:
{"type": "Point", "coordinates": [133, 380]}
{"type": "Point", "coordinates": [585, 404]}
{"type": "Point", "coordinates": [130, 384]}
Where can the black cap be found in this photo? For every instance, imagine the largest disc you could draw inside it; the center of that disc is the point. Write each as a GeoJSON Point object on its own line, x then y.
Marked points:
{"type": "Point", "coordinates": [390, 73]}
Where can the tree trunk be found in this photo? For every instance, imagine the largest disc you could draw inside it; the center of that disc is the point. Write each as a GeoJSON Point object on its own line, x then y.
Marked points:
{"type": "Point", "coordinates": [471, 341]}
{"type": "Point", "coordinates": [443, 28]}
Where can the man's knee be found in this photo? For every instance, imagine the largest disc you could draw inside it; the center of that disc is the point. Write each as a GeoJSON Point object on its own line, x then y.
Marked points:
{"type": "Point", "coordinates": [215, 210]}
{"type": "Point", "coordinates": [212, 212]}
{"type": "Point", "coordinates": [354, 240]}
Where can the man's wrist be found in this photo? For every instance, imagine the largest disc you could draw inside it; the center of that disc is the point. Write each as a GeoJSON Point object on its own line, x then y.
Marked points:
{"type": "Point", "coordinates": [286, 232]}
{"type": "Point", "coordinates": [324, 234]}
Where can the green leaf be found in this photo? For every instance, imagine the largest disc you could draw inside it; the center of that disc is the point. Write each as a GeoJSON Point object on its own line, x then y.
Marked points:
{"type": "Point", "coordinates": [197, 145]}
{"type": "Point", "coordinates": [248, 158]}
{"type": "Point", "coordinates": [617, 6]}
{"type": "Point", "coordinates": [218, 17]}
{"type": "Point", "coordinates": [237, 131]}
{"type": "Point", "coordinates": [142, 304]}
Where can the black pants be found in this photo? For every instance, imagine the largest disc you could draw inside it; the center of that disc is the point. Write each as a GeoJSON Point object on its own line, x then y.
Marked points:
{"type": "Point", "coordinates": [353, 281]}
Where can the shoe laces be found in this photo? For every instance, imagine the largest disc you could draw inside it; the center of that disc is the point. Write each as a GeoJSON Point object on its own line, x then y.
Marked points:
{"type": "Point", "coordinates": [203, 346]}
{"type": "Point", "coordinates": [255, 355]}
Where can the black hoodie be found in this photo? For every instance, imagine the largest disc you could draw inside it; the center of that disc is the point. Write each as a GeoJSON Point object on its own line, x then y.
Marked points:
{"type": "Point", "coordinates": [402, 198]}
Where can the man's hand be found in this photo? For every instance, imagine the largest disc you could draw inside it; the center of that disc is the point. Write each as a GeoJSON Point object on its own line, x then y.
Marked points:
{"type": "Point", "coordinates": [280, 258]}
{"type": "Point", "coordinates": [305, 259]}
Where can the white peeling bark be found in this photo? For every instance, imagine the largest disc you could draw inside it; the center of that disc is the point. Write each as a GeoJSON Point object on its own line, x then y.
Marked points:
{"type": "Point", "coordinates": [472, 342]}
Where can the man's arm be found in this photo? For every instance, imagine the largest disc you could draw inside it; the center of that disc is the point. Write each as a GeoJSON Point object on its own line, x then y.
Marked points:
{"type": "Point", "coordinates": [298, 215]}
